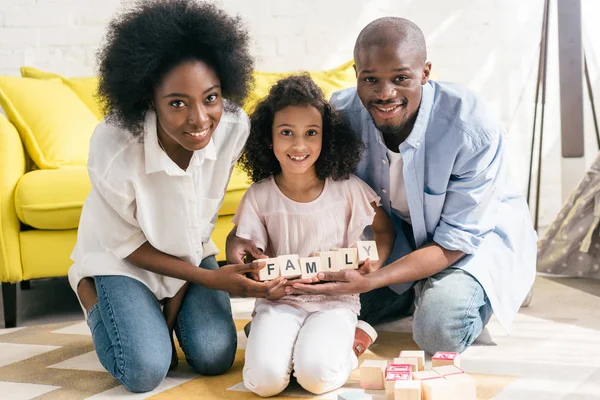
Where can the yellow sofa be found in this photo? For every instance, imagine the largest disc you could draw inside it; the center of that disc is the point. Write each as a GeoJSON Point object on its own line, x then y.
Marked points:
{"type": "Point", "coordinates": [43, 179]}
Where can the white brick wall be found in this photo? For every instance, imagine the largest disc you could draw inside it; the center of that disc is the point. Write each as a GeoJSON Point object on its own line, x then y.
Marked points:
{"type": "Point", "coordinates": [488, 45]}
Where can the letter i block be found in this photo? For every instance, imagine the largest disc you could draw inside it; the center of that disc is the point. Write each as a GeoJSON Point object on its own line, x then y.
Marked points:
{"type": "Point", "coordinates": [366, 249]}
{"type": "Point", "coordinates": [442, 358]}
{"type": "Point", "coordinates": [418, 354]}
{"type": "Point", "coordinates": [310, 266]}
{"type": "Point", "coordinates": [270, 271]}
{"type": "Point", "coordinates": [347, 258]}
{"type": "Point", "coordinates": [329, 260]}
{"type": "Point", "coordinates": [289, 266]}
{"type": "Point", "coordinates": [372, 374]}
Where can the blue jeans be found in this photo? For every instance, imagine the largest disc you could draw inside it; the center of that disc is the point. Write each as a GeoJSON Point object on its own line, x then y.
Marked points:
{"type": "Point", "coordinates": [450, 309]}
{"type": "Point", "coordinates": [131, 337]}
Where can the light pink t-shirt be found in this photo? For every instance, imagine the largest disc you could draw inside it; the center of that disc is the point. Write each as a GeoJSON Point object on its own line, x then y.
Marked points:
{"type": "Point", "coordinates": [281, 226]}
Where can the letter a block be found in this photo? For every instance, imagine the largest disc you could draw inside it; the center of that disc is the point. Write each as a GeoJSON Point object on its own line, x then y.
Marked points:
{"type": "Point", "coordinates": [310, 266]}
{"type": "Point", "coordinates": [270, 271]}
{"type": "Point", "coordinates": [290, 266]}
{"type": "Point", "coordinates": [347, 258]}
{"type": "Point", "coordinates": [329, 260]}
{"type": "Point", "coordinates": [366, 249]}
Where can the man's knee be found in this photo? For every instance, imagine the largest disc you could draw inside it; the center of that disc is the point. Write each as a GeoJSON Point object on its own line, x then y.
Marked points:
{"type": "Point", "coordinates": [434, 333]}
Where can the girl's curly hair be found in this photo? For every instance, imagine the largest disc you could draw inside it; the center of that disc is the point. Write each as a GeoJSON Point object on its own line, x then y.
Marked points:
{"type": "Point", "coordinates": [341, 149]}
{"type": "Point", "coordinates": [151, 37]}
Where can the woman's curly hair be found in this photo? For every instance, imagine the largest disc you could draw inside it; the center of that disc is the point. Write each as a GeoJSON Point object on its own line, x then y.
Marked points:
{"type": "Point", "coordinates": [151, 37]}
{"type": "Point", "coordinates": [341, 149]}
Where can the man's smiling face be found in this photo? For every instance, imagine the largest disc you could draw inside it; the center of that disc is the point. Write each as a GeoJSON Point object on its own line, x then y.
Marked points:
{"type": "Point", "coordinates": [389, 80]}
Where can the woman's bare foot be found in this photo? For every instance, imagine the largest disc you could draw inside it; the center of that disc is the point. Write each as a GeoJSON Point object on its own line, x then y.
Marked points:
{"type": "Point", "coordinates": [86, 290]}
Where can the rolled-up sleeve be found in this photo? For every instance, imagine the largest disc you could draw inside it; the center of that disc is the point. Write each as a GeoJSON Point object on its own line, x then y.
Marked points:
{"type": "Point", "coordinates": [471, 197]}
{"type": "Point", "coordinates": [115, 213]}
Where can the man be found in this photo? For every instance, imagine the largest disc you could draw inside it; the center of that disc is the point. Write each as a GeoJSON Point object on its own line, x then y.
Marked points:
{"type": "Point", "coordinates": [436, 156]}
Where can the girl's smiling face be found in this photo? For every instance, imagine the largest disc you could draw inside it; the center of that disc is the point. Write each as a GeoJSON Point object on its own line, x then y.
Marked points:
{"type": "Point", "coordinates": [297, 139]}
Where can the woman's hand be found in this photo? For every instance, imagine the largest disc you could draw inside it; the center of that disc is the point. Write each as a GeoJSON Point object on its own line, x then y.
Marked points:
{"type": "Point", "coordinates": [238, 249]}
{"type": "Point", "coordinates": [232, 279]}
{"type": "Point", "coordinates": [349, 281]}
{"type": "Point", "coordinates": [367, 267]}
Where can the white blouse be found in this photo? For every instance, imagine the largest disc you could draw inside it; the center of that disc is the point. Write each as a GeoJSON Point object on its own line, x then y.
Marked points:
{"type": "Point", "coordinates": [139, 194]}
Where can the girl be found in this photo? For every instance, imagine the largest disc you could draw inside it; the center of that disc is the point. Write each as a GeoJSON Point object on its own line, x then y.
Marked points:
{"type": "Point", "coordinates": [304, 199]}
{"type": "Point", "coordinates": [159, 165]}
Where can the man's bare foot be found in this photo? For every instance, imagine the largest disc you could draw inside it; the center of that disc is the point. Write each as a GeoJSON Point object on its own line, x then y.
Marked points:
{"type": "Point", "coordinates": [86, 290]}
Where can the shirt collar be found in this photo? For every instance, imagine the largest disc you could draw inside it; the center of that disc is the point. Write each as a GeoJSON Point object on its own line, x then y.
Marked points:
{"type": "Point", "coordinates": [157, 160]}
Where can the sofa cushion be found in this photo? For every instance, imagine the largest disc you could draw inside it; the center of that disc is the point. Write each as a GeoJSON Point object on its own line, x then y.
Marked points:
{"type": "Point", "coordinates": [52, 198]}
{"type": "Point", "coordinates": [84, 87]}
{"type": "Point", "coordinates": [53, 122]}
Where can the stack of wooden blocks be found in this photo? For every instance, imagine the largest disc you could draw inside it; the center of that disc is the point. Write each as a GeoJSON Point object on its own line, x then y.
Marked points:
{"type": "Point", "coordinates": [406, 378]}
{"type": "Point", "coordinates": [293, 266]}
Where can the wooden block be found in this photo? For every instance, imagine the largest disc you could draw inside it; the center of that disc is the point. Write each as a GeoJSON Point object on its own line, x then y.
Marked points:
{"type": "Point", "coordinates": [356, 395]}
{"type": "Point", "coordinates": [372, 374]}
{"type": "Point", "coordinates": [418, 354]}
{"type": "Point", "coordinates": [329, 260]}
{"type": "Point", "coordinates": [390, 381]}
{"type": "Point", "coordinates": [437, 389]}
{"type": "Point", "coordinates": [407, 390]}
{"type": "Point", "coordinates": [414, 362]}
{"type": "Point", "coordinates": [347, 258]}
{"type": "Point", "coordinates": [448, 370]}
{"type": "Point", "coordinates": [426, 375]}
{"type": "Point", "coordinates": [290, 266]}
{"type": "Point", "coordinates": [442, 358]}
{"type": "Point", "coordinates": [310, 266]}
{"type": "Point", "coordinates": [399, 368]}
{"type": "Point", "coordinates": [464, 387]}
{"type": "Point", "coordinates": [270, 271]}
{"type": "Point", "coordinates": [366, 249]}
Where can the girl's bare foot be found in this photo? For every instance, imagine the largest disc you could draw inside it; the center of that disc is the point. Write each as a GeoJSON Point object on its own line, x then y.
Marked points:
{"type": "Point", "coordinates": [86, 290]}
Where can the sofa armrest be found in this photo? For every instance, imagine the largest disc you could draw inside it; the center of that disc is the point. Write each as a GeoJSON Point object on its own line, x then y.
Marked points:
{"type": "Point", "coordinates": [12, 168]}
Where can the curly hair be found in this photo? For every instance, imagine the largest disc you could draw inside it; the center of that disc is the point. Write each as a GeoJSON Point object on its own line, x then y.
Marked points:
{"type": "Point", "coordinates": [151, 37]}
{"type": "Point", "coordinates": [341, 148]}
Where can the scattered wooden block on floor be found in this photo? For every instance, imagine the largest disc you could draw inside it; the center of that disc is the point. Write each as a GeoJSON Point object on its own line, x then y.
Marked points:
{"type": "Point", "coordinates": [442, 358]}
{"type": "Point", "coordinates": [310, 266]}
{"type": "Point", "coordinates": [437, 389]}
{"type": "Point", "coordinates": [348, 258]}
{"type": "Point", "coordinates": [390, 382]}
{"type": "Point", "coordinates": [448, 370]}
{"type": "Point", "coordinates": [329, 260]}
{"type": "Point", "coordinates": [426, 375]}
{"type": "Point", "coordinates": [372, 374]}
{"type": "Point", "coordinates": [407, 390]}
{"type": "Point", "coordinates": [463, 386]}
{"type": "Point", "coordinates": [354, 396]}
{"type": "Point", "coordinates": [270, 271]}
{"type": "Point", "coordinates": [414, 362]}
{"type": "Point", "coordinates": [418, 354]}
{"type": "Point", "coordinates": [366, 249]}
{"type": "Point", "coordinates": [290, 266]}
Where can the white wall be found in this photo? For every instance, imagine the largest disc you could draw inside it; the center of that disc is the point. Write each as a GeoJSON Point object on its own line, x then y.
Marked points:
{"type": "Point", "coordinates": [489, 45]}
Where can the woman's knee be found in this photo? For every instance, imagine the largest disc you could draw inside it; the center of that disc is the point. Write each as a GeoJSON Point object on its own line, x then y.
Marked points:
{"type": "Point", "coordinates": [144, 371]}
{"type": "Point", "coordinates": [266, 380]}
{"type": "Point", "coordinates": [211, 356]}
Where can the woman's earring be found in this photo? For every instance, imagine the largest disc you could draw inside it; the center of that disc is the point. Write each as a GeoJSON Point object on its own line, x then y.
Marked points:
{"type": "Point", "coordinates": [271, 146]}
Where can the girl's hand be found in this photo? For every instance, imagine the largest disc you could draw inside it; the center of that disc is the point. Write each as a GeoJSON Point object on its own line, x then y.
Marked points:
{"type": "Point", "coordinates": [232, 279]}
{"type": "Point", "coordinates": [349, 281]}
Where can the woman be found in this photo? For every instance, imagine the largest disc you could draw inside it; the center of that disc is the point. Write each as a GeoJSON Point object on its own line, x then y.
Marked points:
{"type": "Point", "coordinates": [172, 76]}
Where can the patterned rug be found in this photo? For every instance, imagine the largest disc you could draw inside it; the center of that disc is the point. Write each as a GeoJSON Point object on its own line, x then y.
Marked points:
{"type": "Point", "coordinates": [58, 362]}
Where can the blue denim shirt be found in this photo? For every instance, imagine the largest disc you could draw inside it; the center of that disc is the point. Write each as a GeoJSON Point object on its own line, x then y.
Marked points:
{"type": "Point", "coordinates": [455, 175]}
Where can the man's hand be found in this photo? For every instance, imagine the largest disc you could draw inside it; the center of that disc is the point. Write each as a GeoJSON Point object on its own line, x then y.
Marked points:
{"type": "Point", "coordinates": [232, 279]}
{"type": "Point", "coordinates": [348, 281]}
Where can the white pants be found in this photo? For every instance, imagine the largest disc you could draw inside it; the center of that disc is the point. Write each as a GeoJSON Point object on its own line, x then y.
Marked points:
{"type": "Point", "coordinates": [317, 346]}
